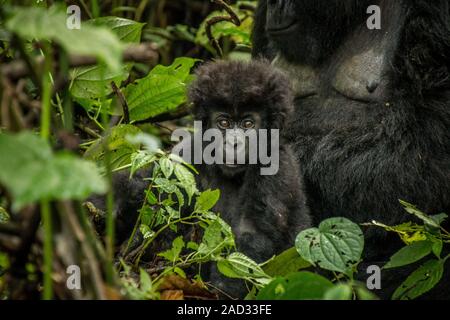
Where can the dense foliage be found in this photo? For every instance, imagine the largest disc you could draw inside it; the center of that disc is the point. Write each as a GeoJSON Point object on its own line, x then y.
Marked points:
{"type": "Point", "coordinates": [78, 106]}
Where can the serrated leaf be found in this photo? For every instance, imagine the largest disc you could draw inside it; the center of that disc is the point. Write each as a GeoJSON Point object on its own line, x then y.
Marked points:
{"type": "Point", "coordinates": [410, 254]}
{"type": "Point", "coordinates": [420, 281]}
{"type": "Point", "coordinates": [163, 90]}
{"type": "Point", "coordinates": [166, 167]}
{"type": "Point", "coordinates": [207, 200]}
{"type": "Point", "coordinates": [186, 179]}
{"type": "Point", "coordinates": [336, 245]}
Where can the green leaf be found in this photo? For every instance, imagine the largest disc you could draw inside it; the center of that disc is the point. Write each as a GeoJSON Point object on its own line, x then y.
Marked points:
{"type": "Point", "coordinates": [212, 238]}
{"type": "Point", "coordinates": [128, 31]}
{"type": "Point", "coordinates": [239, 266]}
{"type": "Point", "coordinates": [50, 24]}
{"type": "Point", "coordinates": [119, 146]}
{"type": "Point", "coordinates": [165, 185]}
{"type": "Point", "coordinates": [438, 245]}
{"type": "Point", "coordinates": [4, 216]}
{"type": "Point", "coordinates": [95, 81]}
{"type": "Point", "coordinates": [207, 200]}
{"type": "Point", "coordinates": [146, 231]}
{"type": "Point", "coordinates": [32, 173]}
{"type": "Point", "coordinates": [173, 253]}
{"type": "Point", "coordinates": [363, 293]}
{"type": "Point", "coordinates": [420, 281]}
{"type": "Point", "coordinates": [336, 245]}
{"type": "Point", "coordinates": [163, 90]}
{"type": "Point", "coordinates": [141, 159]}
{"type": "Point", "coordinates": [411, 209]}
{"type": "Point", "coordinates": [186, 179]}
{"type": "Point", "coordinates": [339, 292]}
{"type": "Point", "coordinates": [296, 286]}
{"type": "Point", "coordinates": [145, 280]}
{"type": "Point", "coordinates": [287, 262]}
{"type": "Point", "coordinates": [166, 167]}
{"type": "Point", "coordinates": [410, 254]}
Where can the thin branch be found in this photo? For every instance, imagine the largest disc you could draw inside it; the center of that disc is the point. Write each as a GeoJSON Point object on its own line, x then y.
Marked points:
{"type": "Point", "coordinates": [123, 102]}
{"type": "Point", "coordinates": [145, 53]}
{"type": "Point", "coordinates": [233, 18]}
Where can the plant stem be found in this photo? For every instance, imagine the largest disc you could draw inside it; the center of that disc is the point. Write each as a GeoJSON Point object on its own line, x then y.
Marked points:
{"type": "Point", "coordinates": [48, 249]}
{"type": "Point", "coordinates": [45, 204]}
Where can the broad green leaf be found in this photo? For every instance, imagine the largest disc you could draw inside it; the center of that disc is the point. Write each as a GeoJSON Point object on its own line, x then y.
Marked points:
{"type": "Point", "coordinates": [32, 173]}
{"type": "Point", "coordinates": [336, 245]}
{"type": "Point", "coordinates": [339, 292]}
{"type": "Point", "coordinates": [285, 263]}
{"type": "Point", "coordinates": [163, 90]}
{"type": "Point", "coordinates": [95, 81]}
{"type": "Point", "coordinates": [50, 24]}
{"type": "Point", "coordinates": [128, 31]}
{"type": "Point", "coordinates": [239, 266]}
{"type": "Point", "coordinates": [207, 200]}
{"type": "Point", "coordinates": [420, 281]}
{"type": "Point", "coordinates": [410, 254]}
{"type": "Point", "coordinates": [296, 286]}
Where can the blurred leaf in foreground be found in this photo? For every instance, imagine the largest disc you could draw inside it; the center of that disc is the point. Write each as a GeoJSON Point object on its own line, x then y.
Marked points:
{"type": "Point", "coordinates": [31, 172]}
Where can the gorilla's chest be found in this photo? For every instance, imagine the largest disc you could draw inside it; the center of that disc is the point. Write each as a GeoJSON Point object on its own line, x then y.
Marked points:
{"type": "Point", "coordinates": [356, 74]}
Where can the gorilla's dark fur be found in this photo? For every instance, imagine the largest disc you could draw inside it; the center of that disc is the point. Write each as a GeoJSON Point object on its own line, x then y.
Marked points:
{"type": "Point", "coordinates": [372, 118]}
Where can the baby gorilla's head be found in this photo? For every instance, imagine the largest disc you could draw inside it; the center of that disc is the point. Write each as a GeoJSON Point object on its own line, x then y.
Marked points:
{"type": "Point", "coordinates": [238, 99]}
{"type": "Point", "coordinates": [236, 89]}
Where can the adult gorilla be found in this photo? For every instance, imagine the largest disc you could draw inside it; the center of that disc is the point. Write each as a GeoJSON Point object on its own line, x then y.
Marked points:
{"type": "Point", "coordinates": [372, 123]}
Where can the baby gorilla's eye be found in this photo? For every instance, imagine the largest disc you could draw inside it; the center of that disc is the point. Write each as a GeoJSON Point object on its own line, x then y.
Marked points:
{"type": "Point", "coordinates": [224, 123]}
{"type": "Point", "coordinates": [248, 124]}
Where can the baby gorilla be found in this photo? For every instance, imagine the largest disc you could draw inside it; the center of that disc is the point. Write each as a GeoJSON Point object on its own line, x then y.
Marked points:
{"type": "Point", "coordinates": [265, 212]}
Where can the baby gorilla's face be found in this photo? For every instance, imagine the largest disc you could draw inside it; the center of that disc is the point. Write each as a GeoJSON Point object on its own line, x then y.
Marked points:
{"type": "Point", "coordinates": [240, 135]}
